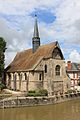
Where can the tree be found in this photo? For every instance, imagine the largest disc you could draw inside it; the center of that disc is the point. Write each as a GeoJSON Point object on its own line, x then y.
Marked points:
{"type": "Point", "coordinates": [2, 56]}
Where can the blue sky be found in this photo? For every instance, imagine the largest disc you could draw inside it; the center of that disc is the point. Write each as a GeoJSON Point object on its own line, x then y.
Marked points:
{"type": "Point", "coordinates": [44, 16]}
{"type": "Point", "coordinates": [57, 20]}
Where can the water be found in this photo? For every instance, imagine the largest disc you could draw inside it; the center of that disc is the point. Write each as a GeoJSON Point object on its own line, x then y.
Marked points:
{"type": "Point", "coordinates": [64, 111]}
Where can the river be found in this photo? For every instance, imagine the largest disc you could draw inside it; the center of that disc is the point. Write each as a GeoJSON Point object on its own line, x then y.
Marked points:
{"type": "Point", "coordinates": [63, 111]}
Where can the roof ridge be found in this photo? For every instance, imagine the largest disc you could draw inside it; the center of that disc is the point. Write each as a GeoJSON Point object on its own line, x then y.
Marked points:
{"type": "Point", "coordinates": [39, 47]}
{"type": "Point", "coordinates": [48, 44]}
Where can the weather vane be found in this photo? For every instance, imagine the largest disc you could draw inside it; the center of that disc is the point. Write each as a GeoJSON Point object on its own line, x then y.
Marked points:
{"type": "Point", "coordinates": [35, 15]}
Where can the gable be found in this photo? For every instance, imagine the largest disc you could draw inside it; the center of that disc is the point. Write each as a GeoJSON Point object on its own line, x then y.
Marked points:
{"type": "Point", "coordinates": [57, 54]}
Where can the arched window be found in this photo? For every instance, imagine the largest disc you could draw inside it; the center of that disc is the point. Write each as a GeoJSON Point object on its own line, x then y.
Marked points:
{"type": "Point", "coordinates": [9, 76]}
{"type": "Point", "coordinates": [57, 70]}
{"type": "Point", "coordinates": [40, 76]}
{"type": "Point", "coordinates": [20, 76]}
{"type": "Point", "coordinates": [45, 68]}
{"type": "Point", "coordinates": [15, 77]}
{"type": "Point", "coordinates": [25, 76]}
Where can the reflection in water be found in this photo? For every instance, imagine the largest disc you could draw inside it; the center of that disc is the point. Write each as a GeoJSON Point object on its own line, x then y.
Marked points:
{"type": "Point", "coordinates": [63, 111]}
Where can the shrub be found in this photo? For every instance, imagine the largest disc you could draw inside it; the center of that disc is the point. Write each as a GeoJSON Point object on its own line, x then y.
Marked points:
{"type": "Point", "coordinates": [71, 91]}
{"type": "Point", "coordinates": [37, 94]}
{"type": "Point", "coordinates": [41, 92]}
{"type": "Point", "coordinates": [2, 86]}
{"type": "Point", "coordinates": [34, 94]}
{"type": "Point", "coordinates": [30, 94]}
{"type": "Point", "coordinates": [31, 91]}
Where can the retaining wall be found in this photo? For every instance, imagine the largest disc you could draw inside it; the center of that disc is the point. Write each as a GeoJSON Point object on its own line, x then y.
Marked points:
{"type": "Point", "coordinates": [34, 101]}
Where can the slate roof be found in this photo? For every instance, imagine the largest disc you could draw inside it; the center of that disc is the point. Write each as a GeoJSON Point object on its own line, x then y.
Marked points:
{"type": "Point", "coordinates": [27, 60]}
{"type": "Point", "coordinates": [74, 67]}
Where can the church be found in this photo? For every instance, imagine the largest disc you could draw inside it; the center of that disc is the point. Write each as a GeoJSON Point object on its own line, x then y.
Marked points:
{"type": "Point", "coordinates": [42, 67]}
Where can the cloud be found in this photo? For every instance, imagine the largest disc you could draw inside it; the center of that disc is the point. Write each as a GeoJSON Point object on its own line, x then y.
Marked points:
{"type": "Point", "coordinates": [74, 56]}
{"type": "Point", "coordinates": [16, 7]}
{"type": "Point", "coordinates": [68, 18]}
{"type": "Point", "coordinates": [21, 7]}
{"type": "Point", "coordinates": [16, 40]}
{"type": "Point", "coordinates": [9, 56]}
{"type": "Point", "coordinates": [66, 25]}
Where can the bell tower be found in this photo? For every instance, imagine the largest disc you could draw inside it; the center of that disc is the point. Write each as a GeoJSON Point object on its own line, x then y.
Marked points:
{"type": "Point", "coordinates": [36, 38]}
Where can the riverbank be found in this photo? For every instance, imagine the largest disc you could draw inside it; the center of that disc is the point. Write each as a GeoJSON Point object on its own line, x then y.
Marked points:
{"type": "Point", "coordinates": [21, 101]}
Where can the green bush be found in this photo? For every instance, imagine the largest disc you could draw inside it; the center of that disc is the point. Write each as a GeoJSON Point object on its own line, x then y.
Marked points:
{"type": "Point", "coordinates": [41, 92]}
{"type": "Point", "coordinates": [2, 86]}
{"type": "Point", "coordinates": [31, 91]}
{"type": "Point", "coordinates": [70, 91]}
{"type": "Point", "coordinates": [30, 94]}
{"type": "Point", "coordinates": [34, 94]}
{"type": "Point", "coordinates": [37, 94]}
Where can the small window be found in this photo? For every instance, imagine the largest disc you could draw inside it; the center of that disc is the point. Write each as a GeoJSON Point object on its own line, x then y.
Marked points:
{"type": "Point", "coordinates": [40, 76]}
{"type": "Point", "coordinates": [25, 76]}
{"type": "Point", "coordinates": [9, 75]}
{"type": "Point", "coordinates": [20, 76]}
{"type": "Point", "coordinates": [15, 77]}
{"type": "Point", "coordinates": [45, 68]}
{"type": "Point", "coordinates": [57, 70]}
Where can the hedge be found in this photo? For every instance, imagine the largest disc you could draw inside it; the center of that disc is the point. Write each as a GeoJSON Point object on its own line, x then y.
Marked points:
{"type": "Point", "coordinates": [42, 92]}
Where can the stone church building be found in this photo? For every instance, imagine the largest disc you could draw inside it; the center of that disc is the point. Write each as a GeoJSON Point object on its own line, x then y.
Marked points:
{"type": "Point", "coordinates": [42, 67]}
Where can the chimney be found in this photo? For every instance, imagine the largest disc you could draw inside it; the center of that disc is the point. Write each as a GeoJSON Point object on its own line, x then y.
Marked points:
{"type": "Point", "coordinates": [69, 65]}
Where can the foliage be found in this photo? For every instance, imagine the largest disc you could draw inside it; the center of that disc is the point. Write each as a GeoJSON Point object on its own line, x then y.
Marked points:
{"type": "Point", "coordinates": [31, 91]}
{"type": "Point", "coordinates": [43, 92]}
{"type": "Point", "coordinates": [2, 86]}
{"type": "Point", "coordinates": [70, 91]}
{"type": "Point", "coordinates": [2, 56]}
{"type": "Point", "coordinates": [36, 93]}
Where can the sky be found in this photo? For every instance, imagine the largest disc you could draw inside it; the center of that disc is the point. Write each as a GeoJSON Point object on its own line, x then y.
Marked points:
{"type": "Point", "coordinates": [58, 20]}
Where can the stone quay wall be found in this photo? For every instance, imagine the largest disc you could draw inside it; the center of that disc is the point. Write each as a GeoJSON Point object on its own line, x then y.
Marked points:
{"type": "Point", "coordinates": [18, 101]}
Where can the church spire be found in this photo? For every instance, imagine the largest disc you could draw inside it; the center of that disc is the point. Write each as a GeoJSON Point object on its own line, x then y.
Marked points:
{"type": "Point", "coordinates": [36, 33]}
{"type": "Point", "coordinates": [35, 39]}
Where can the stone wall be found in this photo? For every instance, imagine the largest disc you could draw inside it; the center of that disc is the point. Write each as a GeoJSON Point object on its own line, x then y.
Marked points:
{"type": "Point", "coordinates": [34, 101]}
{"type": "Point", "coordinates": [53, 83]}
